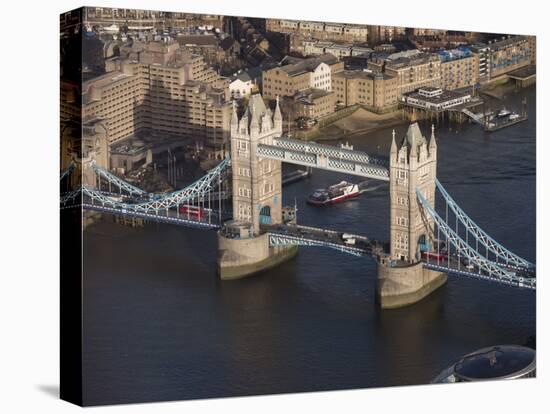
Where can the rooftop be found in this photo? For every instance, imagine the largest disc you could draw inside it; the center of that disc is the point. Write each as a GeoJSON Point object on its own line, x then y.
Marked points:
{"type": "Point", "coordinates": [455, 54]}
{"type": "Point", "coordinates": [308, 65]}
{"type": "Point", "coordinates": [524, 73]}
{"type": "Point", "coordinates": [362, 74]}
{"type": "Point", "coordinates": [307, 95]}
{"type": "Point", "coordinates": [409, 60]}
{"type": "Point", "coordinates": [105, 80]}
{"type": "Point", "coordinates": [404, 54]}
{"type": "Point", "coordinates": [242, 76]}
{"type": "Point", "coordinates": [506, 41]}
{"type": "Point", "coordinates": [130, 145]}
{"type": "Point", "coordinates": [198, 40]}
{"type": "Point", "coordinates": [444, 96]}
{"type": "Point", "coordinates": [227, 42]}
{"type": "Point", "coordinates": [414, 136]}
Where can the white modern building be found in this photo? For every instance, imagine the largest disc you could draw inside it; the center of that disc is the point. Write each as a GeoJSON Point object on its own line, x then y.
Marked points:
{"type": "Point", "coordinates": [240, 85]}
{"type": "Point", "coordinates": [435, 99]}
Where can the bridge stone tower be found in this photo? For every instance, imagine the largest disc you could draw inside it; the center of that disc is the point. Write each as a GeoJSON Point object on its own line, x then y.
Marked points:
{"type": "Point", "coordinates": [257, 195]}
{"type": "Point", "coordinates": [412, 166]}
{"type": "Point", "coordinates": [402, 278]}
{"type": "Point", "coordinates": [256, 182]}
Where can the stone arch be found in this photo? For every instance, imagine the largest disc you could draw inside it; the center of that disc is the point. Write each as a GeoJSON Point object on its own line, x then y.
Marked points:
{"type": "Point", "coordinates": [422, 244]}
{"type": "Point", "coordinates": [265, 215]}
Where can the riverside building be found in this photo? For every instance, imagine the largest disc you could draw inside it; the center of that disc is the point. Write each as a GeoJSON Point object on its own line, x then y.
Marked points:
{"type": "Point", "coordinates": [458, 68]}
{"type": "Point", "coordinates": [376, 91]}
{"type": "Point", "coordinates": [310, 73]}
{"type": "Point", "coordinates": [161, 89]}
{"type": "Point", "coordinates": [413, 69]}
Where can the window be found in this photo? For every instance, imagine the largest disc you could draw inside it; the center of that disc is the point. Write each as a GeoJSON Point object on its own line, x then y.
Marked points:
{"type": "Point", "coordinates": [244, 211]}
{"type": "Point", "coordinates": [243, 172]}
{"type": "Point", "coordinates": [401, 241]}
{"type": "Point", "coordinates": [403, 201]}
{"type": "Point", "coordinates": [244, 192]}
{"type": "Point", "coordinates": [267, 188]}
{"type": "Point", "coordinates": [401, 221]}
{"type": "Point", "coordinates": [266, 166]}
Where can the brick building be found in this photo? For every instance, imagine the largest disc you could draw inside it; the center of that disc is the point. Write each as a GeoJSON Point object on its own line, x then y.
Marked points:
{"type": "Point", "coordinates": [375, 90]}
{"type": "Point", "coordinates": [159, 88]}
{"type": "Point", "coordinates": [299, 75]}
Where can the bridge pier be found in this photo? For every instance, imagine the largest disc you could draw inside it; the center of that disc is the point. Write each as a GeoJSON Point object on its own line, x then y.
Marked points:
{"type": "Point", "coordinates": [399, 286]}
{"type": "Point", "coordinates": [240, 257]}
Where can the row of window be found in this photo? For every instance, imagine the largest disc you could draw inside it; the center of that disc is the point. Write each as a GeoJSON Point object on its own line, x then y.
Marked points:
{"type": "Point", "coordinates": [401, 241]}
{"type": "Point", "coordinates": [244, 212]}
{"type": "Point", "coordinates": [243, 172]}
{"type": "Point", "coordinates": [244, 191]}
{"type": "Point", "coordinates": [401, 221]}
{"type": "Point", "coordinates": [403, 201]}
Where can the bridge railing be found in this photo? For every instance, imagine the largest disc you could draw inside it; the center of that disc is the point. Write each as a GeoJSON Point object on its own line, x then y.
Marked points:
{"type": "Point", "coordinates": [484, 266]}
{"type": "Point", "coordinates": [508, 257]}
{"type": "Point", "coordinates": [117, 181]}
{"type": "Point", "coordinates": [195, 201]}
{"type": "Point", "coordinates": [67, 171]}
{"type": "Point", "coordinates": [300, 235]}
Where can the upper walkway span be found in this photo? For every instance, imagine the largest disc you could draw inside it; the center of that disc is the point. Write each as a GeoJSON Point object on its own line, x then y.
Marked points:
{"type": "Point", "coordinates": [327, 157]}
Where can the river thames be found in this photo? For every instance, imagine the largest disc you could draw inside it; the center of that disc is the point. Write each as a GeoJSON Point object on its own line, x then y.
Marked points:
{"type": "Point", "coordinates": [159, 325]}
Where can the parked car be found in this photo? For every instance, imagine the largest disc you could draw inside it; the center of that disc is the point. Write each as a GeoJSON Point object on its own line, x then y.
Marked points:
{"type": "Point", "coordinates": [348, 239]}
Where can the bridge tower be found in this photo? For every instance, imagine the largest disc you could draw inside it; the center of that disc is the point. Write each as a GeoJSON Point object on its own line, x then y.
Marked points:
{"type": "Point", "coordinates": [402, 278]}
{"type": "Point", "coordinates": [256, 182]}
{"type": "Point", "coordinates": [412, 166]}
{"type": "Point", "coordinates": [257, 194]}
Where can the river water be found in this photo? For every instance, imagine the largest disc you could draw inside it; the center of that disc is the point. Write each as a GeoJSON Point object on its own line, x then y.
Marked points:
{"type": "Point", "coordinates": [158, 325]}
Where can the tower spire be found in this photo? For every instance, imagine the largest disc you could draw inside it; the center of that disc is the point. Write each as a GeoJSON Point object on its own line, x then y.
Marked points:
{"type": "Point", "coordinates": [433, 144]}
{"type": "Point", "coordinates": [277, 117]}
{"type": "Point", "coordinates": [414, 151]}
{"type": "Point", "coordinates": [234, 117]}
{"type": "Point", "coordinates": [393, 149]}
{"type": "Point", "coordinates": [254, 124]}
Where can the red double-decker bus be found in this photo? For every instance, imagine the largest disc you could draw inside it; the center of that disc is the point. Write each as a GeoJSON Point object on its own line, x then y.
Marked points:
{"type": "Point", "coordinates": [434, 257]}
{"type": "Point", "coordinates": [194, 212]}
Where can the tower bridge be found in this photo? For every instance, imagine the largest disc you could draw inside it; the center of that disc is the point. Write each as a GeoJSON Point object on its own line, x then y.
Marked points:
{"type": "Point", "coordinates": [424, 245]}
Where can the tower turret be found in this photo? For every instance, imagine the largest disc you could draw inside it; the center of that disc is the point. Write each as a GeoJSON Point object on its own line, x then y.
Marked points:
{"type": "Point", "coordinates": [393, 148]}
{"type": "Point", "coordinates": [433, 144]}
{"type": "Point", "coordinates": [254, 123]}
{"type": "Point", "coordinates": [234, 119]}
{"type": "Point", "coordinates": [256, 180]}
{"type": "Point", "coordinates": [411, 232]}
{"type": "Point", "coordinates": [278, 118]}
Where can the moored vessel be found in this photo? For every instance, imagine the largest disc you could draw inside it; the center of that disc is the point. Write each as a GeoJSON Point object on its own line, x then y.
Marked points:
{"type": "Point", "coordinates": [334, 194]}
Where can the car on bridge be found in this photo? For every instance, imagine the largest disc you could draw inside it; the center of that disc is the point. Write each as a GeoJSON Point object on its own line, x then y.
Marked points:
{"type": "Point", "coordinates": [467, 263]}
{"type": "Point", "coordinates": [349, 239]}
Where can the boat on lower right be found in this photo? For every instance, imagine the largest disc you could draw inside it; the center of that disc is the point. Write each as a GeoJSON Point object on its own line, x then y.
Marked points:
{"type": "Point", "coordinates": [503, 119]}
{"type": "Point", "coordinates": [493, 363]}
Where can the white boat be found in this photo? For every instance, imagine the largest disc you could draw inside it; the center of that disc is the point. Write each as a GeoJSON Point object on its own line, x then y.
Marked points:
{"type": "Point", "coordinates": [334, 194]}
{"type": "Point", "coordinates": [504, 112]}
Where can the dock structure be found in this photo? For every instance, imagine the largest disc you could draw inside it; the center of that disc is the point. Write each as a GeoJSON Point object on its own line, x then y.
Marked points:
{"type": "Point", "coordinates": [438, 104]}
{"type": "Point", "coordinates": [490, 127]}
{"type": "Point", "coordinates": [477, 118]}
{"type": "Point", "coordinates": [524, 77]}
